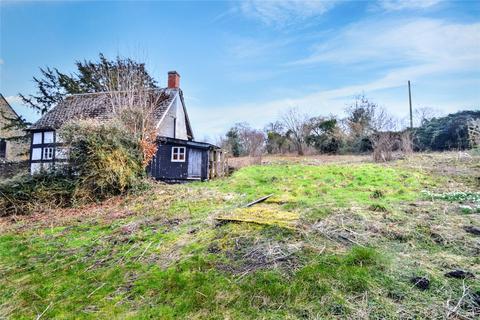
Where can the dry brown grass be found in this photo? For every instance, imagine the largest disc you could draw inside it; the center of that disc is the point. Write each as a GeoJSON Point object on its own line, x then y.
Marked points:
{"type": "Point", "coordinates": [241, 162]}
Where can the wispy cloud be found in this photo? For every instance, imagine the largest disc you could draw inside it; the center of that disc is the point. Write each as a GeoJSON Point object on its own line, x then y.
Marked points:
{"type": "Point", "coordinates": [1, 61]}
{"type": "Point", "coordinates": [411, 42]}
{"type": "Point", "coordinates": [412, 49]}
{"type": "Point", "coordinates": [247, 48]}
{"type": "Point", "coordinates": [283, 12]}
{"type": "Point", "coordinates": [394, 5]}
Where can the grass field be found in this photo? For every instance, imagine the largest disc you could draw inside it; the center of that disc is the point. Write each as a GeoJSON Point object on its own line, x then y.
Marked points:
{"type": "Point", "coordinates": [338, 239]}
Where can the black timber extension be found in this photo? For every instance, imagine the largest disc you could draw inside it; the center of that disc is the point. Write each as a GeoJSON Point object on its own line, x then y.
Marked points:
{"type": "Point", "coordinates": [180, 160]}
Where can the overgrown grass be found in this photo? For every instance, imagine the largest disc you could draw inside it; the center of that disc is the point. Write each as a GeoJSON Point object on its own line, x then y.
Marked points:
{"type": "Point", "coordinates": [164, 255]}
{"type": "Point", "coordinates": [316, 190]}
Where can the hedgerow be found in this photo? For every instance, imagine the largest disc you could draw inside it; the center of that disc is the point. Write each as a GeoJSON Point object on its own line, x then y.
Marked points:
{"type": "Point", "coordinates": [23, 194]}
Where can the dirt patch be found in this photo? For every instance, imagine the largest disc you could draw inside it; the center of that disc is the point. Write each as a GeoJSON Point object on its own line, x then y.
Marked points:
{"type": "Point", "coordinates": [347, 229]}
{"type": "Point", "coordinates": [249, 255]}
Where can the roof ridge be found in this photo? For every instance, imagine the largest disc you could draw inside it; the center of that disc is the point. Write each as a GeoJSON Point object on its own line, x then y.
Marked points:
{"type": "Point", "coordinates": [116, 91]}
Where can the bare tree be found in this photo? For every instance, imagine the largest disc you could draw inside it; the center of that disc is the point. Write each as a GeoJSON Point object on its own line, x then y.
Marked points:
{"type": "Point", "coordinates": [406, 142]}
{"type": "Point", "coordinates": [297, 125]}
{"type": "Point", "coordinates": [366, 117]}
{"type": "Point", "coordinates": [133, 103]}
{"type": "Point", "coordinates": [252, 140]}
{"type": "Point", "coordinates": [424, 114]}
{"type": "Point", "coordinates": [474, 133]}
{"type": "Point", "coordinates": [383, 145]}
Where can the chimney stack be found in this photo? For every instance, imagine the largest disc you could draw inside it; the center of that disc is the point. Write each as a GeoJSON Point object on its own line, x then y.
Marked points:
{"type": "Point", "coordinates": [173, 80]}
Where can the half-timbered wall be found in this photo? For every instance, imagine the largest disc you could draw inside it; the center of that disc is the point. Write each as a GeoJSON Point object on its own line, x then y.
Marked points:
{"type": "Point", "coordinates": [46, 151]}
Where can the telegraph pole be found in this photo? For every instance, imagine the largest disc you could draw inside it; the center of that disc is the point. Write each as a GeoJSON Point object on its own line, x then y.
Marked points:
{"type": "Point", "coordinates": [410, 102]}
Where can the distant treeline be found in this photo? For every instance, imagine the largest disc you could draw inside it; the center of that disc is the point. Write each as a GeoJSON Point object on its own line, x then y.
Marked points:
{"type": "Point", "coordinates": [366, 127]}
{"type": "Point", "coordinates": [446, 133]}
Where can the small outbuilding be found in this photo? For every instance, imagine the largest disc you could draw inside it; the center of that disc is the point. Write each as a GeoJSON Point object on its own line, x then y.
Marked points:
{"type": "Point", "coordinates": [186, 160]}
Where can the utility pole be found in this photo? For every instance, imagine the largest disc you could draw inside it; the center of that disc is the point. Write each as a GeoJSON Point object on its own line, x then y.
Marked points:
{"type": "Point", "coordinates": [410, 102]}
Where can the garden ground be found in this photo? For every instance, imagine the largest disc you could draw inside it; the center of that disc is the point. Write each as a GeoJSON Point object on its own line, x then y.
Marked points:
{"type": "Point", "coordinates": [340, 237]}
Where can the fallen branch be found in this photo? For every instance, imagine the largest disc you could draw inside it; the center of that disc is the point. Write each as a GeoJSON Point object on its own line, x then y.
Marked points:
{"type": "Point", "coordinates": [258, 201]}
{"type": "Point", "coordinates": [140, 257]}
{"type": "Point", "coordinates": [40, 315]}
{"type": "Point", "coordinates": [101, 286]}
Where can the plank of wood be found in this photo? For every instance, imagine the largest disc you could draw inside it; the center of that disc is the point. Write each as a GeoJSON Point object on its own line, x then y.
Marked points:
{"type": "Point", "coordinates": [258, 201]}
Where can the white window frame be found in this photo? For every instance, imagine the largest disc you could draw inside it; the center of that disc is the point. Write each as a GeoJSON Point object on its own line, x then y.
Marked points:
{"type": "Point", "coordinates": [48, 153]}
{"type": "Point", "coordinates": [49, 137]}
{"type": "Point", "coordinates": [37, 153]}
{"type": "Point", "coordinates": [37, 138]}
{"type": "Point", "coordinates": [178, 151]}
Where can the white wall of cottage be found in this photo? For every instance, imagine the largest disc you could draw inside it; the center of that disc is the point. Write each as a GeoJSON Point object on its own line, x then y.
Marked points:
{"type": "Point", "coordinates": [166, 127]}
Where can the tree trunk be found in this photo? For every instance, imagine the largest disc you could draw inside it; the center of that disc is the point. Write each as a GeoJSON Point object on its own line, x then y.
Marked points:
{"type": "Point", "coordinates": [300, 149]}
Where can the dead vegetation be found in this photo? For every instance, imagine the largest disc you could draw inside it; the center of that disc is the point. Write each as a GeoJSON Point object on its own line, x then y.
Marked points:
{"type": "Point", "coordinates": [248, 255]}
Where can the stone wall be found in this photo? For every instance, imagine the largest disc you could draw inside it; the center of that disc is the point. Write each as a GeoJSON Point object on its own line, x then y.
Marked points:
{"type": "Point", "coordinates": [17, 149]}
{"type": "Point", "coordinates": [9, 169]}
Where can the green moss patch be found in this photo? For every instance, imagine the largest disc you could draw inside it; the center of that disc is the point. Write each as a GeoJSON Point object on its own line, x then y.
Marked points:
{"type": "Point", "coordinates": [262, 214]}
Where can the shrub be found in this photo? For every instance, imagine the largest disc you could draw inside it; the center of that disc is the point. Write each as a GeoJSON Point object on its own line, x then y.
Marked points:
{"type": "Point", "coordinates": [383, 145]}
{"type": "Point", "coordinates": [103, 161]}
{"type": "Point", "coordinates": [22, 194]}
{"type": "Point", "coordinates": [103, 158]}
{"type": "Point", "coordinates": [325, 135]}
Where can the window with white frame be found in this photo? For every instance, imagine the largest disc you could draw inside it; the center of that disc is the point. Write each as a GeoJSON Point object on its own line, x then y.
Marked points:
{"type": "Point", "coordinates": [48, 137]}
{"type": "Point", "coordinates": [47, 153]}
{"type": "Point", "coordinates": [37, 138]}
{"type": "Point", "coordinates": [36, 153]}
{"type": "Point", "coordinates": [178, 154]}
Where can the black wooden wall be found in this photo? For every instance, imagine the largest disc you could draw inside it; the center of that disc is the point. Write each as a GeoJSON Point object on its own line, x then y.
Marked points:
{"type": "Point", "coordinates": [162, 168]}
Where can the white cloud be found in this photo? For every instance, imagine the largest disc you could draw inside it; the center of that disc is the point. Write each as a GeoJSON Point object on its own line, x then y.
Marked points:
{"type": "Point", "coordinates": [14, 100]}
{"type": "Point", "coordinates": [1, 61]}
{"type": "Point", "coordinates": [394, 5]}
{"type": "Point", "coordinates": [283, 12]}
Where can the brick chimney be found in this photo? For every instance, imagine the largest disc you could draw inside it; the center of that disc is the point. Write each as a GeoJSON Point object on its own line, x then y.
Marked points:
{"type": "Point", "coordinates": [173, 80]}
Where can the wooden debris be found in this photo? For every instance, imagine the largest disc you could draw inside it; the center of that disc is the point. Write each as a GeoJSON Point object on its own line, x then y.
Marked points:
{"type": "Point", "coordinates": [258, 201]}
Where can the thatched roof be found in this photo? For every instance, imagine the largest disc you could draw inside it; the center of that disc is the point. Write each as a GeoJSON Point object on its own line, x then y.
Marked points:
{"type": "Point", "coordinates": [95, 106]}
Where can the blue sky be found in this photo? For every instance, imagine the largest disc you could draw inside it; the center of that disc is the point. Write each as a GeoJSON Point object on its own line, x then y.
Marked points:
{"type": "Point", "coordinates": [252, 60]}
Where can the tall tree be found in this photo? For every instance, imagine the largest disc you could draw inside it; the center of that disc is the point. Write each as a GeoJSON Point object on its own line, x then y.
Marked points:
{"type": "Point", "coordinates": [91, 76]}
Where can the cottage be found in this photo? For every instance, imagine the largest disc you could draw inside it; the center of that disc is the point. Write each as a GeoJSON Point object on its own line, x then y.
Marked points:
{"type": "Point", "coordinates": [12, 146]}
{"type": "Point", "coordinates": [178, 157]}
